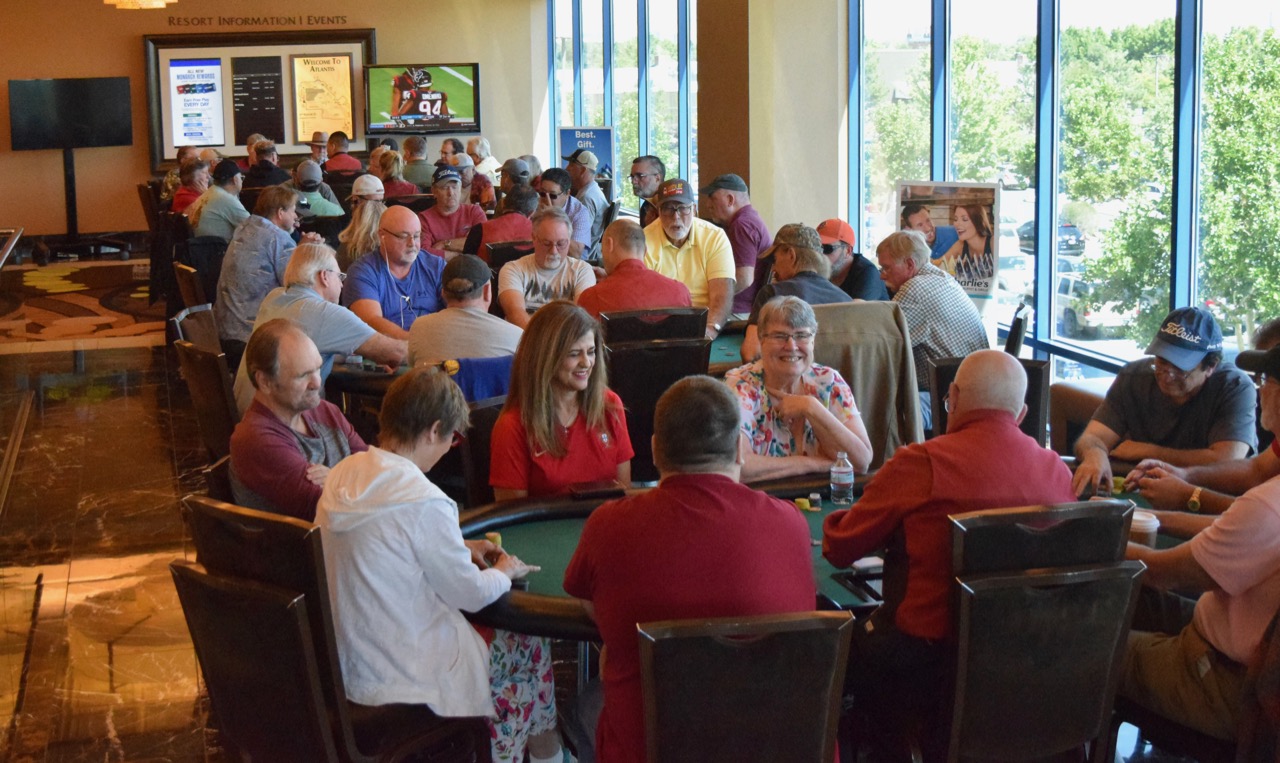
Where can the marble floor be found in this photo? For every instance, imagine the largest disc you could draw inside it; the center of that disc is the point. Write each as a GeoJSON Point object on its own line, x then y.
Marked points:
{"type": "Point", "coordinates": [95, 660]}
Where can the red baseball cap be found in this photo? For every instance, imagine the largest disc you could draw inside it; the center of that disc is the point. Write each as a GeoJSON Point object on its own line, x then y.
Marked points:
{"type": "Point", "coordinates": [835, 229]}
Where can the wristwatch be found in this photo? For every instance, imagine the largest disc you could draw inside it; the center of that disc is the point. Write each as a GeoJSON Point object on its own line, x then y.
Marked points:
{"type": "Point", "coordinates": [1193, 503]}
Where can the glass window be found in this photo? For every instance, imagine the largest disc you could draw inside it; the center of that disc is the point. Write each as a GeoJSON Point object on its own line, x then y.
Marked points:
{"type": "Point", "coordinates": [626, 101]}
{"type": "Point", "coordinates": [993, 70]}
{"type": "Point", "coordinates": [692, 148]}
{"type": "Point", "coordinates": [563, 63]}
{"type": "Point", "coordinates": [1112, 243]}
{"type": "Point", "coordinates": [664, 84]}
{"type": "Point", "coordinates": [896, 103]}
{"type": "Point", "coordinates": [1238, 260]}
{"type": "Point", "coordinates": [593, 63]}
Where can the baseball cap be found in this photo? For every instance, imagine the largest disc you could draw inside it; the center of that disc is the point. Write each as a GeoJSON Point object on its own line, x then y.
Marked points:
{"type": "Point", "coordinates": [309, 173]}
{"type": "Point", "coordinates": [837, 230]}
{"type": "Point", "coordinates": [1260, 361]}
{"type": "Point", "coordinates": [729, 182]}
{"type": "Point", "coordinates": [464, 274]}
{"type": "Point", "coordinates": [583, 157]}
{"type": "Point", "coordinates": [226, 169]}
{"type": "Point", "coordinates": [674, 189]}
{"type": "Point", "coordinates": [367, 184]}
{"type": "Point", "coordinates": [319, 138]}
{"type": "Point", "coordinates": [445, 175]}
{"type": "Point", "coordinates": [516, 168]}
{"type": "Point", "coordinates": [795, 234]}
{"type": "Point", "coordinates": [1186, 335]}
{"type": "Point", "coordinates": [462, 161]}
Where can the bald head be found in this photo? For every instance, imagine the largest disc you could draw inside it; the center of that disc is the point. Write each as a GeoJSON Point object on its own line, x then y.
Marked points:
{"type": "Point", "coordinates": [399, 218]}
{"type": "Point", "coordinates": [989, 379]}
{"type": "Point", "coordinates": [623, 240]}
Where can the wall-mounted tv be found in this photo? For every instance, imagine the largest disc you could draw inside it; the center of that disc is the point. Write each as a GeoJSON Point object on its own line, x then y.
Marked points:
{"type": "Point", "coordinates": [422, 98]}
{"type": "Point", "coordinates": [70, 113]}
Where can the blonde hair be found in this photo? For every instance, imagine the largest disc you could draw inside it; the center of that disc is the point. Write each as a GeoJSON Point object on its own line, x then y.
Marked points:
{"type": "Point", "coordinates": [391, 165]}
{"type": "Point", "coordinates": [547, 338]}
{"type": "Point", "coordinates": [361, 236]}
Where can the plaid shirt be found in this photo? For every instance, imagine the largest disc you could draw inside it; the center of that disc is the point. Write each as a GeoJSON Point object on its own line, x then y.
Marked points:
{"type": "Point", "coordinates": [943, 321]}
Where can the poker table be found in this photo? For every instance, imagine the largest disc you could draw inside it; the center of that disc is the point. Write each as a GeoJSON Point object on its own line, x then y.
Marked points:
{"type": "Point", "coordinates": [545, 533]}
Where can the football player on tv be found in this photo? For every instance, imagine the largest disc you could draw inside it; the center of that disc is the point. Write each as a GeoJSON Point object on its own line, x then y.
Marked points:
{"type": "Point", "coordinates": [415, 100]}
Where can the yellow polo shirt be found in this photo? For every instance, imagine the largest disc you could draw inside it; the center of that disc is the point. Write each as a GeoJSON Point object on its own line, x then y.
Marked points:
{"type": "Point", "coordinates": [706, 254]}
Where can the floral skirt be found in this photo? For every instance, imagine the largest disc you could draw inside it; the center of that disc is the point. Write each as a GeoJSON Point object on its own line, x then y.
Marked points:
{"type": "Point", "coordinates": [524, 692]}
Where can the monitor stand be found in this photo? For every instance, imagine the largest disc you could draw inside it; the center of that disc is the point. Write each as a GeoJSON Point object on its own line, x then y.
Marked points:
{"type": "Point", "coordinates": [73, 245]}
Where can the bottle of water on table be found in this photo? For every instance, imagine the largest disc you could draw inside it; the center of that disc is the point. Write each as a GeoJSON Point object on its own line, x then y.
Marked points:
{"type": "Point", "coordinates": [842, 480]}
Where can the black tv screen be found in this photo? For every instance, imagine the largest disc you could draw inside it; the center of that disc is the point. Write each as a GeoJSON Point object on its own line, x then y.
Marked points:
{"type": "Point", "coordinates": [422, 98]}
{"type": "Point", "coordinates": [70, 113]}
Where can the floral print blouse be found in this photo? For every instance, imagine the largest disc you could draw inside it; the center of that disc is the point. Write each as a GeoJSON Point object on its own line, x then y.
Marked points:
{"type": "Point", "coordinates": [770, 435]}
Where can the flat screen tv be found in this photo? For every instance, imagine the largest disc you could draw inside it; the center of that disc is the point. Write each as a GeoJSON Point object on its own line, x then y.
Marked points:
{"type": "Point", "coordinates": [70, 113]}
{"type": "Point", "coordinates": [421, 98]}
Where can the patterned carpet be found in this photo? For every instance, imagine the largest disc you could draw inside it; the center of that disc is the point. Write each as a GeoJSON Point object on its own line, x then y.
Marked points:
{"type": "Point", "coordinates": [84, 305]}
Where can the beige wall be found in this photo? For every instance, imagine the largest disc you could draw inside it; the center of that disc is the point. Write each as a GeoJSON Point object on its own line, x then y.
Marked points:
{"type": "Point", "coordinates": [797, 110]}
{"type": "Point", "coordinates": [84, 38]}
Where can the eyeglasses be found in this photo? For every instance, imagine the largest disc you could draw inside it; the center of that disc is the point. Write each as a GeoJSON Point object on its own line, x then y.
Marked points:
{"type": "Point", "coordinates": [341, 276]}
{"type": "Point", "coordinates": [550, 196]}
{"type": "Point", "coordinates": [641, 175]}
{"type": "Point", "coordinates": [782, 337]}
{"type": "Point", "coordinates": [671, 210]}
{"type": "Point", "coordinates": [402, 237]}
{"type": "Point", "coordinates": [831, 248]}
{"type": "Point", "coordinates": [558, 244]}
{"type": "Point", "coordinates": [1163, 366]}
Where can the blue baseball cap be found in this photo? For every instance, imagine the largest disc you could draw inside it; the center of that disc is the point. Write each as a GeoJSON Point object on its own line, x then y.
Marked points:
{"type": "Point", "coordinates": [1186, 335]}
{"type": "Point", "coordinates": [445, 175]}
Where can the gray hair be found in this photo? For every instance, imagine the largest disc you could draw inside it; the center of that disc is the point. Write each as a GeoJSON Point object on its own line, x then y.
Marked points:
{"type": "Point", "coordinates": [906, 244]}
{"type": "Point", "coordinates": [481, 143]}
{"type": "Point", "coordinates": [306, 263]}
{"type": "Point", "coordinates": [551, 213]}
{"type": "Point", "coordinates": [792, 312]}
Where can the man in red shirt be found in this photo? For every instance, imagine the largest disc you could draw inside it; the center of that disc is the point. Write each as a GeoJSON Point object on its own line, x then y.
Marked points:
{"type": "Point", "coordinates": [630, 284]}
{"type": "Point", "coordinates": [698, 545]}
{"type": "Point", "coordinates": [984, 461]}
{"type": "Point", "coordinates": [445, 225]}
{"type": "Point", "coordinates": [512, 225]}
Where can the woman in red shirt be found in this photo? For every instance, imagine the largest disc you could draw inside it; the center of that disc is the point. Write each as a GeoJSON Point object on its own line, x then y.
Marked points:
{"type": "Point", "coordinates": [561, 424]}
{"type": "Point", "coordinates": [390, 169]}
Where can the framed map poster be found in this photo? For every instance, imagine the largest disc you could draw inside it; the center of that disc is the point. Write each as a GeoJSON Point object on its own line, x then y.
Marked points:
{"type": "Point", "coordinates": [323, 92]}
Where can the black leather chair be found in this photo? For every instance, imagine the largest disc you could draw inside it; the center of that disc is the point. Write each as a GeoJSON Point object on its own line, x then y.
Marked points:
{"type": "Point", "coordinates": [760, 688]}
{"type": "Point", "coordinates": [1029, 537]}
{"type": "Point", "coordinates": [665, 323]}
{"type": "Point", "coordinates": [418, 202]}
{"type": "Point", "coordinates": [639, 372]}
{"type": "Point", "coordinates": [249, 197]}
{"type": "Point", "coordinates": [254, 647]}
{"type": "Point", "coordinates": [942, 372]}
{"type": "Point", "coordinates": [197, 326]}
{"type": "Point", "coordinates": [1038, 660]}
{"type": "Point", "coordinates": [209, 382]}
{"type": "Point", "coordinates": [217, 480]}
{"type": "Point", "coordinates": [500, 254]}
{"type": "Point", "coordinates": [204, 254]}
{"type": "Point", "coordinates": [327, 228]}
{"type": "Point", "coordinates": [281, 551]}
{"type": "Point", "coordinates": [475, 450]}
{"type": "Point", "coordinates": [174, 231]}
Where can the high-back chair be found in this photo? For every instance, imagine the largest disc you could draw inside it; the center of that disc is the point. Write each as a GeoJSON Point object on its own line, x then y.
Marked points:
{"type": "Point", "coordinates": [196, 325]}
{"type": "Point", "coordinates": [1038, 660]}
{"type": "Point", "coordinates": [1017, 330]}
{"type": "Point", "coordinates": [758, 688]}
{"type": "Point", "coordinates": [639, 372]}
{"type": "Point", "coordinates": [417, 202]}
{"type": "Point", "coordinates": [660, 323]}
{"type": "Point", "coordinates": [942, 371]}
{"type": "Point", "coordinates": [1028, 537]}
{"type": "Point", "coordinates": [475, 450]}
{"type": "Point", "coordinates": [189, 285]}
{"type": "Point", "coordinates": [870, 345]}
{"type": "Point", "coordinates": [254, 647]}
{"type": "Point", "coordinates": [204, 254]}
{"type": "Point", "coordinates": [209, 382]}
{"type": "Point", "coordinates": [281, 551]}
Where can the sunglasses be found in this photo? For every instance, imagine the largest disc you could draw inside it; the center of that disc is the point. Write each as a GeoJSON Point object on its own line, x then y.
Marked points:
{"type": "Point", "coordinates": [550, 196]}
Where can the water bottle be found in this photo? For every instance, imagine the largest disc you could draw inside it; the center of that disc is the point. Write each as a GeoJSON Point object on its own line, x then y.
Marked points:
{"type": "Point", "coordinates": [842, 480]}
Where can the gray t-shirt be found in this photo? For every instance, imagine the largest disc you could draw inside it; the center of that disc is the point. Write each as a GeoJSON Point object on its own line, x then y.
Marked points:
{"type": "Point", "coordinates": [460, 332]}
{"type": "Point", "coordinates": [542, 286]}
{"type": "Point", "coordinates": [1222, 411]}
{"type": "Point", "coordinates": [335, 329]}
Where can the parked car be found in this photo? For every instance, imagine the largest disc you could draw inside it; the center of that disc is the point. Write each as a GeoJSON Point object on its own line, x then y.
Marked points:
{"type": "Point", "coordinates": [1017, 271]}
{"type": "Point", "coordinates": [1077, 318]}
{"type": "Point", "coordinates": [1070, 239]}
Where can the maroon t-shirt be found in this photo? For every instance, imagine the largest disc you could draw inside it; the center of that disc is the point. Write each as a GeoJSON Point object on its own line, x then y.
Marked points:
{"type": "Point", "coordinates": [632, 286]}
{"type": "Point", "coordinates": [749, 238]}
{"type": "Point", "coordinates": [698, 545]}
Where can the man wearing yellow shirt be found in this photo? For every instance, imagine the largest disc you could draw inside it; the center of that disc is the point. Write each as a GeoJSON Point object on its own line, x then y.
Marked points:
{"type": "Point", "coordinates": [692, 251]}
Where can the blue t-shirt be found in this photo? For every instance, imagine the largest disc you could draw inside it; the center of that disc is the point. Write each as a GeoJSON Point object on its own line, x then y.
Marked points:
{"type": "Point", "coordinates": [402, 299]}
{"type": "Point", "coordinates": [943, 237]}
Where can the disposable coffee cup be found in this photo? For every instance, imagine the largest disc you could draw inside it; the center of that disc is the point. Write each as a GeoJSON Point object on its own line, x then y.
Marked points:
{"type": "Point", "coordinates": [1144, 527]}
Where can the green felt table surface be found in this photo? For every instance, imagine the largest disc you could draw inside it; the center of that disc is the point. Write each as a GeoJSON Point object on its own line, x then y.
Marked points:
{"type": "Point", "coordinates": [550, 543]}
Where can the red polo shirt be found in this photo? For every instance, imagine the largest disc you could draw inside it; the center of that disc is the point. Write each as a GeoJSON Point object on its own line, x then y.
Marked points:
{"type": "Point", "coordinates": [632, 286]}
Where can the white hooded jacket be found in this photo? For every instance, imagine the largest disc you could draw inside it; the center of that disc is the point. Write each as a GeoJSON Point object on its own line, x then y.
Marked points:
{"type": "Point", "coordinates": [398, 575]}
